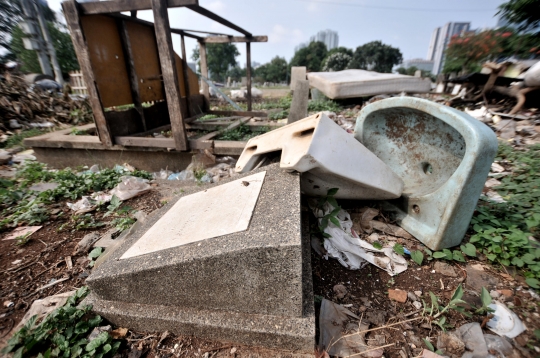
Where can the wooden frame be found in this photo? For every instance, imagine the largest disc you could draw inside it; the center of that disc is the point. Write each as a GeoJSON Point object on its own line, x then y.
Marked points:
{"type": "Point", "coordinates": [171, 76]}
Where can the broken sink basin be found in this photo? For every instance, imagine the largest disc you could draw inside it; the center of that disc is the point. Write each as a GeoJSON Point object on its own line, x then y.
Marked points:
{"type": "Point", "coordinates": [443, 156]}
{"type": "Point", "coordinates": [328, 157]}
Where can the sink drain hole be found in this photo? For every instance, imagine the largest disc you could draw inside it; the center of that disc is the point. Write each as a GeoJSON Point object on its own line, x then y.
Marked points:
{"type": "Point", "coordinates": [427, 168]}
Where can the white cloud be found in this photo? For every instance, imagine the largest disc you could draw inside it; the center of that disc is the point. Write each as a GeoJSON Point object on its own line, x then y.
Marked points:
{"type": "Point", "coordinates": [216, 6]}
{"type": "Point", "coordinates": [281, 34]}
{"type": "Point", "coordinates": [313, 7]}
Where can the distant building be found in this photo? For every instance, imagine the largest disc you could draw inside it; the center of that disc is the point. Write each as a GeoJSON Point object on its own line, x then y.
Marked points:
{"type": "Point", "coordinates": [440, 40]}
{"type": "Point", "coordinates": [419, 63]}
{"type": "Point", "coordinates": [328, 37]}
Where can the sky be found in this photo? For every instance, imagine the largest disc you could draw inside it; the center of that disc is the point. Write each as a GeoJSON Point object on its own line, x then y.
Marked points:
{"type": "Point", "coordinates": [405, 24]}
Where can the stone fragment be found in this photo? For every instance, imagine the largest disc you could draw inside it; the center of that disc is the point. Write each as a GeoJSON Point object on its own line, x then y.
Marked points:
{"type": "Point", "coordinates": [412, 296]}
{"type": "Point", "coordinates": [445, 269]}
{"type": "Point", "coordinates": [299, 104]}
{"type": "Point", "coordinates": [494, 294]}
{"type": "Point", "coordinates": [340, 291]}
{"type": "Point", "coordinates": [478, 278]}
{"type": "Point", "coordinates": [418, 293]}
{"type": "Point", "coordinates": [450, 343]}
{"type": "Point", "coordinates": [398, 295]}
{"type": "Point", "coordinates": [473, 338]}
{"type": "Point", "coordinates": [506, 293]}
{"type": "Point", "coordinates": [417, 305]}
{"type": "Point", "coordinates": [377, 318]}
{"type": "Point", "coordinates": [86, 243]}
{"type": "Point", "coordinates": [5, 157]}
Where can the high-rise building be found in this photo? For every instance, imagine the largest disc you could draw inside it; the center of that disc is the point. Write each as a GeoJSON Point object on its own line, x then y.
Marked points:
{"type": "Point", "coordinates": [328, 37]}
{"type": "Point", "coordinates": [440, 40]}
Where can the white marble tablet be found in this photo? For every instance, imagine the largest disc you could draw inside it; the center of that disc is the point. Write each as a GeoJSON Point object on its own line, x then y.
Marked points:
{"type": "Point", "coordinates": [218, 211]}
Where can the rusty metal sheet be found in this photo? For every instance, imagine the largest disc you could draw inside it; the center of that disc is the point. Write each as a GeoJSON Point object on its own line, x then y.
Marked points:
{"type": "Point", "coordinates": [107, 58]}
{"type": "Point", "coordinates": [146, 61]}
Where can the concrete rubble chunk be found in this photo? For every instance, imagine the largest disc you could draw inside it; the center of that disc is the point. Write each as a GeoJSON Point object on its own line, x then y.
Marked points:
{"type": "Point", "coordinates": [362, 83]}
{"type": "Point", "coordinates": [297, 73]}
{"type": "Point", "coordinates": [445, 269]}
{"type": "Point", "coordinates": [299, 104]}
{"type": "Point", "coordinates": [251, 286]}
{"type": "Point", "coordinates": [327, 156]}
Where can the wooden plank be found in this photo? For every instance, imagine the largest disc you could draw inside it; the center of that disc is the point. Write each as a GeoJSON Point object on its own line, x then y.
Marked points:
{"type": "Point", "coordinates": [248, 74]}
{"type": "Point", "coordinates": [182, 32]}
{"type": "Point", "coordinates": [212, 16]}
{"type": "Point", "coordinates": [204, 70]}
{"type": "Point", "coordinates": [194, 118]}
{"type": "Point", "coordinates": [170, 75]}
{"type": "Point", "coordinates": [132, 72]}
{"type": "Point", "coordinates": [253, 126]}
{"type": "Point", "coordinates": [228, 39]}
{"type": "Point", "coordinates": [239, 113]}
{"type": "Point", "coordinates": [81, 49]}
{"type": "Point", "coordinates": [102, 7]}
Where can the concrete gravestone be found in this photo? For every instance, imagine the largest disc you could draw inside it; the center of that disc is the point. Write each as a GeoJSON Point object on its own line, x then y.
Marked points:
{"type": "Point", "coordinates": [230, 262]}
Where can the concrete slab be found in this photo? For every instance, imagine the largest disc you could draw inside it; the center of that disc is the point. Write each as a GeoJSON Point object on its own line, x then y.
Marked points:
{"type": "Point", "coordinates": [299, 104]}
{"type": "Point", "coordinates": [361, 83]}
{"type": "Point", "coordinates": [297, 73]}
{"type": "Point", "coordinates": [251, 287]}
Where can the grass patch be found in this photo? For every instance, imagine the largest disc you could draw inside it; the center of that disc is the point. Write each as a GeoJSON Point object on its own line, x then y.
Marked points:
{"type": "Point", "coordinates": [241, 133]}
{"type": "Point", "coordinates": [16, 140]}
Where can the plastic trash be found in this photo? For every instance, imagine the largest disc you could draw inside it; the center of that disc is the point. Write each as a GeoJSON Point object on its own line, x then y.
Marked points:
{"type": "Point", "coordinates": [84, 205]}
{"type": "Point", "coordinates": [352, 252]}
{"type": "Point", "coordinates": [162, 174]}
{"type": "Point", "coordinates": [498, 344]}
{"type": "Point", "coordinates": [504, 321]}
{"type": "Point", "coordinates": [183, 175]}
{"type": "Point", "coordinates": [130, 187]}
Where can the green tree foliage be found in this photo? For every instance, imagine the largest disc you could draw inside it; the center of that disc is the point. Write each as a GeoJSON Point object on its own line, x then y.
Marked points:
{"type": "Point", "coordinates": [524, 13]}
{"type": "Point", "coordinates": [340, 49]}
{"type": "Point", "coordinates": [61, 42]}
{"type": "Point", "coordinates": [236, 73]}
{"type": "Point", "coordinates": [274, 71]}
{"type": "Point", "coordinates": [336, 62]}
{"type": "Point", "coordinates": [467, 53]}
{"type": "Point", "coordinates": [311, 56]}
{"type": "Point", "coordinates": [10, 14]}
{"type": "Point", "coordinates": [376, 56]}
{"type": "Point", "coordinates": [220, 57]}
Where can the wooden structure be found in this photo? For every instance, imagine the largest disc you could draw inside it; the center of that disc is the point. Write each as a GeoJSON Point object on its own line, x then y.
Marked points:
{"type": "Point", "coordinates": [130, 63]}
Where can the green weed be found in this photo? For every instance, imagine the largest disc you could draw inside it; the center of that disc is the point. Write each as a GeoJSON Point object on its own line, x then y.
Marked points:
{"type": "Point", "coordinates": [241, 133]}
{"type": "Point", "coordinates": [63, 334]}
{"type": "Point", "coordinates": [18, 138]}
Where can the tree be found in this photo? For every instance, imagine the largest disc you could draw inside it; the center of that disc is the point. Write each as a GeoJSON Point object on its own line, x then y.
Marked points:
{"type": "Point", "coordinates": [340, 49]}
{"type": "Point", "coordinates": [336, 62]}
{"type": "Point", "coordinates": [376, 56]}
{"type": "Point", "coordinates": [407, 71]}
{"type": "Point", "coordinates": [523, 13]}
{"type": "Point", "coordinates": [219, 57]}
{"type": "Point", "coordinates": [311, 56]}
{"type": "Point", "coordinates": [467, 53]}
{"type": "Point", "coordinates": [274, 71]}
{"type": "Point", "coordinates": [10, 15]}
{"type": "Point", "coordinates": [61, 42]}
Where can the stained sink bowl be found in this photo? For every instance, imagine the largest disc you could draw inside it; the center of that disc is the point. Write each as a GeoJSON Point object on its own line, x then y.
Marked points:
{"type": "Point", "coordinates": [443, 157]}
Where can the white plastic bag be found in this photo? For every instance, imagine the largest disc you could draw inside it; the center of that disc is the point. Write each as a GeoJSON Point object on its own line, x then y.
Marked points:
{"type": "Point", "coordinates": [129, 187]}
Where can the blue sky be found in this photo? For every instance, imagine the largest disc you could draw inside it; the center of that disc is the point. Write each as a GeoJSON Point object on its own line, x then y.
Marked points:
{"type": "Point", "coordinates": [406, 24]}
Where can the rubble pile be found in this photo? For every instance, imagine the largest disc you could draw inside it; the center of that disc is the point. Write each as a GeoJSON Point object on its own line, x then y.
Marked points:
{"type": "Point", "coordinates": [24, 107]}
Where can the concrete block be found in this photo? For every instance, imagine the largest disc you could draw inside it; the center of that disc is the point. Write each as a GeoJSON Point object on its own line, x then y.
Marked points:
{"type": "Point", "coordinates": [299, 105]}
{"type": "Point", "coordinates": [328, 157]}
{"type": "Point", "coordinates": [297, 73]}
{"type": "Point", "coordinates": [250, 287]}
{"type": "Point", "coordinates": [361, 83]}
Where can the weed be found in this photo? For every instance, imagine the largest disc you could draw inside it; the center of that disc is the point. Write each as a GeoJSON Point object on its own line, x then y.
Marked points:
{"type": "Point", "coordinates": [430, 346]}
{"type": "Point", "coordinates": [63, 334]}
{"type": "Point", "coordinates": [417, 257]}
{"type": "Point", "coordinates": [323, 105]}
{"type": "Point", "coordinates": [18, 138]}
{"type": "Point", "coordinates": [86, 221]}
{"type": "Point", "coordinates": [278, 115]}
{"type": "Point", "coordinates": [242, 133]}
{"type": "Point", "coordinates": [207, 117]}
{"type": "Point", "coordinates": [486, 301]}
{"type": "Point", "coordinates": [501, 231]}
{"type": "Point", "coordinates": [436, 312]}
{"type": "Point", "coordinates": [93, 256]}
{"type": "Point", "coordinates": [331, 216]}
{"type": "Point", "coordinates": [399, 249]}
{"type": "Point", "coordinates": [76, 131]}
{"type": "Point", "coordinates": [23, 239]}
{"type": "Point", "coordinates": [123, 223]}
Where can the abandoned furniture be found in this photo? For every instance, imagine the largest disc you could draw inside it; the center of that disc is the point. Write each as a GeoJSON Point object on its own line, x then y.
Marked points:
{"type": "Point", "coordinates": [327, 156]}
{"type": "Point", "coordinates": [443, 156]}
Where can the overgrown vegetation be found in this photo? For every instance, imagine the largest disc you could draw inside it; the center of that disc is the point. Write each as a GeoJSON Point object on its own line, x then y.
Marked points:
{"type": "Point", "coordinates": [16, 139]}
{"type": "Point", "coordinates": [19, 205]}
{"type": "Point", "coordinates": [242, 133]}
{"type": "Point", "coordinates": [63, 334]}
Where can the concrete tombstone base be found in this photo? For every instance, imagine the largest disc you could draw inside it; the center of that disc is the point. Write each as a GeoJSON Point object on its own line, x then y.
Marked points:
{"type": "Point", "coordinates": [249, 286]}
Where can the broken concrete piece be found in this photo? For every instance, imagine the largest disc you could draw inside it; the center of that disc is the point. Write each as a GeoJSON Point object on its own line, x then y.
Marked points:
{"type": "Point", "coordinates": [328, 158]}
{"type": "Point", "coordinates": [362, 83]}
{"type": "Point", "coordinates": [472, 336]}
{"type": "Point", "coordinates": [297, 73]}
{"type": "Point", "coordinates": [444, 269]}
{"type": "Point", "coordinates": [23, 231]}
{"type": "Point", "coordinates": [299, 104]}
{"type": "Point", "coordinates": [43, 307]}
{"type": "Point", "coordinates": [398, 295]}
{"type": "Point", "coordinates": [86, 243]}
{"type": "Point", "coordinates": [478, 278]}
{"type": "Point", "coordinates": [5, 156]}
{"type": "Point", "coordinates": [442, 155]}
{"type": "Point", "coordinates": [450, 343]}
{"type": "Point", "coordinates": [251, 287]}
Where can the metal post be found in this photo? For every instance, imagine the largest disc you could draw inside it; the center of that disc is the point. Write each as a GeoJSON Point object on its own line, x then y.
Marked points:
{"type": "Point", "coordinates": [248, 74]}
{"type": "Point", "coordinates": [49, 43]}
